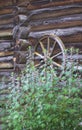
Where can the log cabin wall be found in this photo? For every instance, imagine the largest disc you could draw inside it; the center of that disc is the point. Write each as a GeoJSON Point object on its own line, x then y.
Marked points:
{"type": "Point", "coordinates": [23, 21]}
{"type": "Point", "coordinates": [7, 43]}
{"type": "Point", "coordinates": [40, 17]}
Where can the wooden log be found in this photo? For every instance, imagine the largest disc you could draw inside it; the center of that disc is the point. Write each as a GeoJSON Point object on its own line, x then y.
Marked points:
{"type": "Point", "coordinates": [21, 32]}
{"type": "Point", "coordinates": [22, 17]}
{"type": "Point", "coordinates": [6, 16]}
{"type": "Point", "coordinates": [7, 32]}
{"type": "Point", "coordinates": [6, 11]}
{"type": "Point", "coordinates": [5, 3]}
{"type": "Point", "coordinates": [56, 13]}
{"type": "Point", "coordinates": [22, 10]}
{"type": "Point", "coordinates": [67, 39]}
{"type": "Point", "coordinates": [6, 65]}
{"type": "Point", "coordinates": [49, 21]}
{"type": "Point", "coordinates": [76, 38]}
{"type": "Point", "coordinates": [6, 21]}
{"type": "Point", "coordinates": [52, 4]}
{"type": "Point", "coordinates": [6, 59]}
{"type": "Point", "coordinates": [6, 53]}
{"type": "Point", "coordinates": [6, 26]}
{"type": "Point", "coordinates": [8, 70]}
{"type": "Point", "coordinates": [57, 25]}
{"type": "Point", "coordinates": [5, 45]}
{"type": "Point", "coordinates": [59, 32]}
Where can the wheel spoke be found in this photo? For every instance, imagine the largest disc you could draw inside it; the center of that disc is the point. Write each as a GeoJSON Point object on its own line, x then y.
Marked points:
{"type": "Point", "coordinates": [36, 53]}
{"type": "Point", "coordinates": [56, 55]}
{"type": "Point", "coordinates": [39, 64]}
{"type": "Point", "coordinates": [56, 64]}
{"type": "Point", "coordinates": [43, 48]}
{"type": "Point", "coordinates": [48, 46]}
{"type": "Point", "coordinates": [53, 48]}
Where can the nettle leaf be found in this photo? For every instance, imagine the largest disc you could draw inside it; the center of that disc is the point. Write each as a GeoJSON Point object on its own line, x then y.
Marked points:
{"type": "Point", "coordinates": [50, 95]}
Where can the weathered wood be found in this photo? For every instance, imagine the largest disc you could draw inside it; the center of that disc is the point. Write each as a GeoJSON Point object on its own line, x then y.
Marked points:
{"type": "Point", "coordinates": [4, 46]}
{"type": "Point", "coordinates": [5, 59]}
{"type": "Point", "coordinates": [7, 32]}
{"type": "Point", "coordinates": [6, 16]}
{"type": "Point", "coordinates": [59, 32]}
{"type": "Point", "coordinates": [76, 38]}
{"type": "Point", "coordinates": [52, 4]}
{"type": "Point", "coordinates": [57, 25]}
{"type": "Point", "coordinates": [6, 65]}
{"type": "Point", "coordinates": [6, 53]}
{"type": "Point", "coordinates": [60, 20]}
{"type": "Point", "coordinates": [5, 3]}
{"type": "Point", "coordinates": [6, 21]}
{"type": "Point", "coordinates": [56, 13]}
{"type": "Point", "coordinates": [6, 11]}
{"type": "Point", "coordinates": [21, 32]}
{"type": "Point", "coordinates": [6, 26]}
{"type": "Point", "coordinates": [22, 17]}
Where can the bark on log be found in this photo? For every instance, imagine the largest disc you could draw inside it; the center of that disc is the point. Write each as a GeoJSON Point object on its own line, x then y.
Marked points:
{"type": "Point", "coordinates": [6, 21]}
{"type": "Point", "coordinates": [57, 25]}
{"type": "Point", "coordinates": [52, 4]}
{"type": "Point", "coordinates": [6, 65]}
{"type": "Point", "coordinates": [5, 3]}
{"type": "Point", "coordinates": [6, 11]}
{"type": "Point", "coordinates": [5, 45]}
{"type": "Point", "coordinates": [59, 32]}
{"type": "Point", "coordinates": [6, 53]}
{"type": "Point", "coordinates": [6, 16]}
{"type": "Point", "coordinates": [7, 32]}
{"type": "Point", "coordinates": [6, 26]}
{"type": "Point", "coordinates": [6, 59]}
{"type": "Point", "coordinates": [76, 38]}
{"type": "Point", "coordinates": [57, 13]}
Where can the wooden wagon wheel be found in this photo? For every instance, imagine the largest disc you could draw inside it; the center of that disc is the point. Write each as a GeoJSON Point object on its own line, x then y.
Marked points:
{"type": "Point", "coordinates": [49, 48]}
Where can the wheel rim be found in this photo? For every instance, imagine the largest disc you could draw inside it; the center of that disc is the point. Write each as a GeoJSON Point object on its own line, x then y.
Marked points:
{"type": "Point", "coordinates": [49, 50]}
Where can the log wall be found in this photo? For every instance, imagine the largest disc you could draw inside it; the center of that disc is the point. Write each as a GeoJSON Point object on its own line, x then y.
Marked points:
{"type": "Point", "coordinates": [22, 22]}
{"type": "Point", "coordinates": [7, 23]}
{"type": "Point", "coordinates": [39, 17]}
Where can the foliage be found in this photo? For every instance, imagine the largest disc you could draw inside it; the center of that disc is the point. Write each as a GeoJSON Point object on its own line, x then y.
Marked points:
{"type": "Point", "coordinates": [44, 101]}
